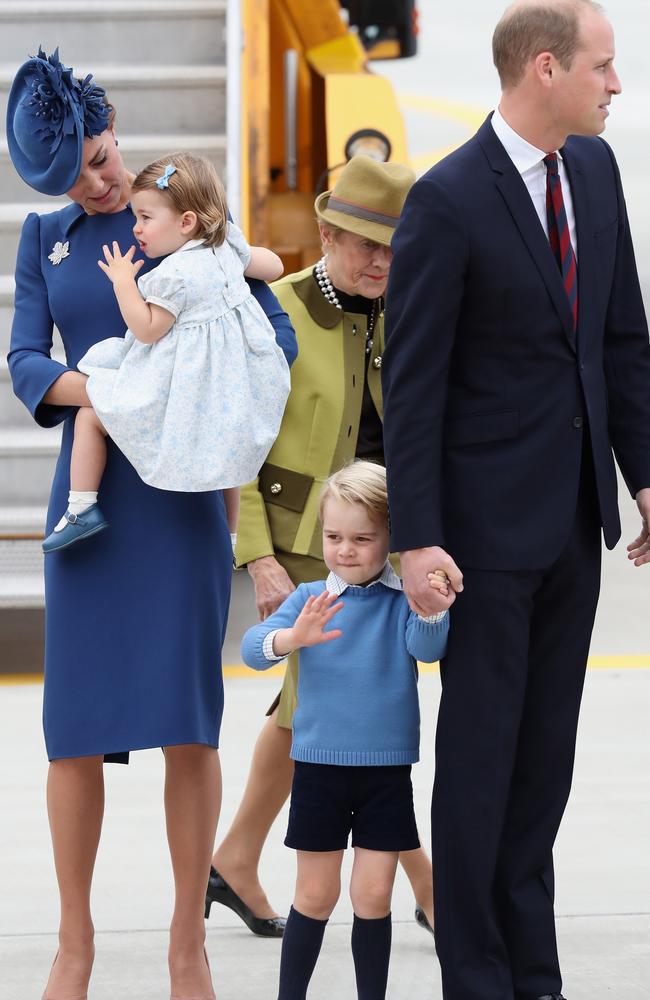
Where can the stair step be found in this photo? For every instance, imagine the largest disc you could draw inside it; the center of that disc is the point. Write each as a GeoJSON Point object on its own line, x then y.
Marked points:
{"type": "Point", "coordinates": [16, 521]}
{"type": "Point", "coordinates": [12, 216]}
{"type": "Point", "coordinates": [138, 150]}
{"type": "Point", "coordinates": [171, 98]}
{"type": "Point", "coordinates": [7, 286]}
{"type": "Point", "coordinates": [188, 31]}
{"type": "Point", "coordinates": [21, 575]}
{"type": "Point", "coordinates": [21, 560]}
{"type": "Point", "coordinates": [164, 72]}
{"type": "Point", "coordinates": [14, 413]}
{"type": "Point", "coordinates": [27, 461]}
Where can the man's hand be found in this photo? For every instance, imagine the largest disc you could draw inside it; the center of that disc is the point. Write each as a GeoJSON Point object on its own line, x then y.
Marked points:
{"type": "Point", "coordinates": [272, 584]}
{"type": "Point", "coordinates": [418, 566]}
{"type": "Point", "coordinates": [639, 549]}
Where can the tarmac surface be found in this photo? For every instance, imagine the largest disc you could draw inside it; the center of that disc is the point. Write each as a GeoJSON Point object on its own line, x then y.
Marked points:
{"type": "Point", "coordinates": [602, 863]}
{"type": "Point", "coordinates": [602, 856]}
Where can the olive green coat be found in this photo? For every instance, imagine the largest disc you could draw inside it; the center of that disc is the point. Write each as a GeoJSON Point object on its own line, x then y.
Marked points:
{"type": "Point", "coordinates": [279, 510]}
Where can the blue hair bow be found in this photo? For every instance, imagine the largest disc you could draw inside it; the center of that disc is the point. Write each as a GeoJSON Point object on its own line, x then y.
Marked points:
{"type": "Point", "coordinates": [163, 181]}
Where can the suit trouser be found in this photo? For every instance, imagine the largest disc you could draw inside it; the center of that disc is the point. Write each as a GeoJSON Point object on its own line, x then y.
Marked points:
{"type": "Point", "coordinates": [512, 682]}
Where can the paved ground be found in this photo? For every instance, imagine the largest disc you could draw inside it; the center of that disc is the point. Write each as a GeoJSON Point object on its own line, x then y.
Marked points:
{"type": "Point", "coordinates": [603, 865]}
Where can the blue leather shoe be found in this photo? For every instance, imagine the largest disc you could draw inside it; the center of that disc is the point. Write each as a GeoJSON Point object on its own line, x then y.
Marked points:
{"type": "Point", "coordinates": [79, 526]}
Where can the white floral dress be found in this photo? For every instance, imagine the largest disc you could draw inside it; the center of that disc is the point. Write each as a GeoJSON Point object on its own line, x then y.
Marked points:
{"type": "Point", "coordinates": [200, 408]}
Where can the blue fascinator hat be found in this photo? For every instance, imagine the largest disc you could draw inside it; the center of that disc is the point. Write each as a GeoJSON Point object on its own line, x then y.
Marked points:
{"type": "Point", "coordinates": [48, 114]}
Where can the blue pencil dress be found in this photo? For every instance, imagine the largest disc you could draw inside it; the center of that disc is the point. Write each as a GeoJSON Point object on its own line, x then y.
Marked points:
{"type": "Point", "coordinates": [135, 616]}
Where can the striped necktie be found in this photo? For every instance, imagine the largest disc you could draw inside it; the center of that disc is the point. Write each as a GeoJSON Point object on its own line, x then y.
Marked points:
{"type": "Point", "coordinates": [559, 235]}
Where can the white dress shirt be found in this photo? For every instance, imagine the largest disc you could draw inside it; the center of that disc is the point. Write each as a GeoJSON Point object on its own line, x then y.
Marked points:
{"type": "Point", "coordinates": [529, 161]}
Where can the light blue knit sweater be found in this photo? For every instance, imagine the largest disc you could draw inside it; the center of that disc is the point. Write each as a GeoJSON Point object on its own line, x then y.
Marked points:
{"type": "Point", "coordinates": [357, 695]}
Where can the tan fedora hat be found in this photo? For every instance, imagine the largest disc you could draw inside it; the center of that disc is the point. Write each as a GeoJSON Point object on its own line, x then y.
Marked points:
{"type": "Point", "coordinates": [367, 198]}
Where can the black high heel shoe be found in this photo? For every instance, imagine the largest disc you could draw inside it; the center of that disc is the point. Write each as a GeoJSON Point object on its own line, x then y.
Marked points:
{"type": "Point", "coordinates": [421, 919]}
{"type": "Point", "coordinates": [219, 891]}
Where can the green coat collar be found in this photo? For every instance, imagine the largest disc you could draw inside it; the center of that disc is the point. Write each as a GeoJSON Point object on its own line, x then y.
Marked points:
{"type": "Point", "coordinates": [322, 312]}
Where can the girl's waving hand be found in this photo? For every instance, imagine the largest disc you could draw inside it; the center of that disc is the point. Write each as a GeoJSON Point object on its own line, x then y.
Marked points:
{"type": "Point", "coordinates": [120, 266]}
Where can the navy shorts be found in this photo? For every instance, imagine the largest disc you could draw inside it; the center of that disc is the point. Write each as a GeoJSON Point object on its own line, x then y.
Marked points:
{"type": "Point", "coordinates": [329, 800]}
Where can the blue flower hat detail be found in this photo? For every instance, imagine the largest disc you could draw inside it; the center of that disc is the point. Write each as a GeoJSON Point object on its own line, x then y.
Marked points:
{"type": "Point", "coordinates": [94, 111]}
{"type": "Point", "coordinates": [48, 114]}
{"type": "Point", "coordinates": [50, 98]}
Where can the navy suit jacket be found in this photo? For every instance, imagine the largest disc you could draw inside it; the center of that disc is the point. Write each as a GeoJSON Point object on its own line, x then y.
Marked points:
{"type": "Point", "coordinates": [488, 393]}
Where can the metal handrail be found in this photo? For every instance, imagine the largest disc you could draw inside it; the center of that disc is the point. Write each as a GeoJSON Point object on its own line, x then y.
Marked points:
{"type": "Point", "coordinates": [291, 118]}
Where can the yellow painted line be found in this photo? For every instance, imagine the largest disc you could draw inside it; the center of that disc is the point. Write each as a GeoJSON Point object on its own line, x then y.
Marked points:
{"type": "Point", "coordinates": [464, 114]}
{"type": "Point", "coordinates": [633, 661]}
{"type": "Point", "coordinates": [467, 114]}
{"type": "Point", "coordinates": [629, 661]}
{"type": "Point", "coordinates": [9, 679]}
{"type": "Point", "coordinates": [241, 670]}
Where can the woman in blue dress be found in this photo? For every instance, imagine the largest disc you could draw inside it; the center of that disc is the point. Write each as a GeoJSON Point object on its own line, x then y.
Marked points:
{"type": "Point", "coordinates": [136, 616]}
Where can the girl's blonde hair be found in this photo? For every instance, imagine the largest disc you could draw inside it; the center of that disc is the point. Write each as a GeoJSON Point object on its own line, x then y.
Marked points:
{"type": "Point", "coordinates": [360, 482]}
{"type": "Point", "coordinates": [195, 186]}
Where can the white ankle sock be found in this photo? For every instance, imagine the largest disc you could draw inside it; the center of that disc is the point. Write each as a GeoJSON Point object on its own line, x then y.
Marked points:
{"type": "Point", "coordinates": [78, 502]}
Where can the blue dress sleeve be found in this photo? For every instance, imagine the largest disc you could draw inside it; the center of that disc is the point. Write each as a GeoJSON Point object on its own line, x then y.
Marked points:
{"type": "Point", "coordinates": [164, 287]}
{"type": "Point", "coordinates": [426, 640]}
{"type": "Point", "coordinates": [32, 369]}
{"type": "Point", "coordinates": [284, 332]}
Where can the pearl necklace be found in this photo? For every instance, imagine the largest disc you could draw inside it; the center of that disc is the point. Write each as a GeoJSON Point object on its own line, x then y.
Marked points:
{"type": "Point", "coordinates": [328, 292]}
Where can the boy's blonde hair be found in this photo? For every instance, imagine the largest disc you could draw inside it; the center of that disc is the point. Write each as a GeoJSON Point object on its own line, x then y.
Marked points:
{"type": "Point", "coordinates": [195, 186]}
{"type": "Point", "coordinates": [361, 482]}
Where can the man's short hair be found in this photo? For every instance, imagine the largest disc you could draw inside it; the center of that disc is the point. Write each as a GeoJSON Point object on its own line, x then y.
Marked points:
{"type": "Point", "coordinates": [527, 29]}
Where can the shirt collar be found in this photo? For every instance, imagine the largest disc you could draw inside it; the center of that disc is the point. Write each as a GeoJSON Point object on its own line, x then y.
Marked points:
{"type": "Point", "coordinates": [190, 245]}
{"type": "Point", "coordinates": [521, 152]}
{"type": "Point", "coordinates": [336, 585]}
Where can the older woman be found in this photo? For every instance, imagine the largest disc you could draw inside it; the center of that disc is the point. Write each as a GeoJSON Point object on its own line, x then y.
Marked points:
{"type": "Point", "coordinates": [136, 616]}
{"type": "Point", "coordinates": [334, 415]}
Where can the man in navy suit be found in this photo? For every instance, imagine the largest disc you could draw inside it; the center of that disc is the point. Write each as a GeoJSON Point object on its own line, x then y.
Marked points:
{"type": "Point", "coordinates": [516, 361]}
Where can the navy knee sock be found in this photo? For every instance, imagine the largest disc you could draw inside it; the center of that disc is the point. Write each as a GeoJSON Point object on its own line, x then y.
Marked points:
{"type": "Point", "coordinates": [371, 953]}
{"type": "Point", "coordinates": [301, 944]}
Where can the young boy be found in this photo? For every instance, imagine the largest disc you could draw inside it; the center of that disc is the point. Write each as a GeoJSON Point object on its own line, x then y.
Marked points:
{"type": "Point", "coordinates": [356, 728]}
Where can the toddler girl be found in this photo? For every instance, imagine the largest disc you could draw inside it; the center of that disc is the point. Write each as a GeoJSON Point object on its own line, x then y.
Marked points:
{"type": "Point", "coordinates": [194, 393]}
{"type": "Point", "coordinates": [355, 730]}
